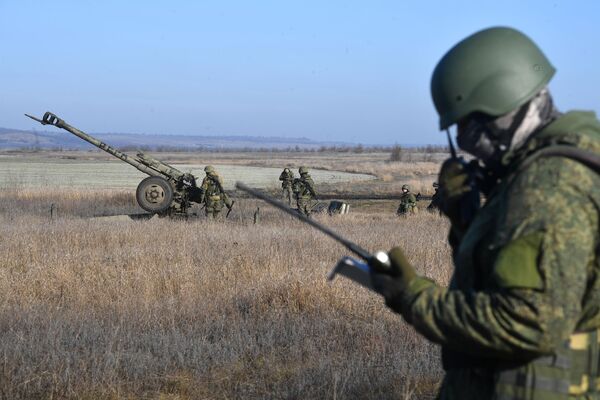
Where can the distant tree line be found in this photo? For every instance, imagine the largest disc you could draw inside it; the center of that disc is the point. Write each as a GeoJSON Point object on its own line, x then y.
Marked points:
{"type": "Point", "coordinates": [397, 152]}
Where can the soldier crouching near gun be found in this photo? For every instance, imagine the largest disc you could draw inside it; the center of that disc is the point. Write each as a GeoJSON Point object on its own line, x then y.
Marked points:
{"type": "Point", "coordinates": [212, 194]}
{"type": "Point", "coordinates": [408, 202]}
{"type": "Point", "coordinates": [286, 178]}
{"type": "Point", "coordinates": [520, 318]}
{"type": "Point", "coordinates": [304, 191]}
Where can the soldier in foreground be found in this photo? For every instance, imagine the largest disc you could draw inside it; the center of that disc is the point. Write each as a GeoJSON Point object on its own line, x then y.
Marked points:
{"type": "Point", "coordinates": [212, 194]}
{"type": "Point", "coordinates": [304, 191]}
{"type": "Point", "coordinates": [408, 202]}
{"type": "Point", "coordinates": [434, 206]}
{"type": "Point", "coordinates": [286, 178]}
{"type": "Point", "coordinates": [520, 318]}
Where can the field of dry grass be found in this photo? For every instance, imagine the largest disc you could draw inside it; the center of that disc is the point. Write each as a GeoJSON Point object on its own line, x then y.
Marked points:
{"type": "Point", "coordinates": [417, 169]}
{"type": "Point", "coordinates": [119, 309]}
{"type": "Point", "coordinates": [112, 174]}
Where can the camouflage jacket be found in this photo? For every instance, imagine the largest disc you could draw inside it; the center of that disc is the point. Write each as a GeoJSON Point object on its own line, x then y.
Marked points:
{"type": "Point", "coordinates": [304, 187]}
{"type": "Point", "coordinates": [286, 179]}
{"type": "Point", "coordinates": [211, 188]}
{"type": "Point", "coordinates": [408, 203]}
{"type": "Point", "coordinates": [527, 277]}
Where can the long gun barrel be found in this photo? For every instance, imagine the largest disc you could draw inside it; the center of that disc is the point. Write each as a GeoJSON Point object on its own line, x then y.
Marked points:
{"type": "Point", "coordinates": [144, 163]}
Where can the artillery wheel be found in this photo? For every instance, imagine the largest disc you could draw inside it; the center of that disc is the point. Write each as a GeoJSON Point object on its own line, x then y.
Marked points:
{"type": "Point", "coordinates": [154, 194]}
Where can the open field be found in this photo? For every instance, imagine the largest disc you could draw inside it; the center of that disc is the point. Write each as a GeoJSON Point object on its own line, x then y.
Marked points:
{"type": "Point", "coordinates": [32, 172]}
{"type": "Point", "coordinates": [333, 172]}
{"type": "Point", "coordinates": [95, 308]}
{"type": "Point", "coordinates": [111, 308]}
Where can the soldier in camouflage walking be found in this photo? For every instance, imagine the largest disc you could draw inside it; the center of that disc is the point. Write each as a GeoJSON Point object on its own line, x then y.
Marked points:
{"type": "Point", "coordinates": [521, 315]}
{"type": "Point", "coordinates": [408, 202]}
{"type": "Point", "coordinates": [286, 178]}
{"type": "Point", "coordinates": [212, 194]}
{"type": "Point", "coordinates": [304, 191]}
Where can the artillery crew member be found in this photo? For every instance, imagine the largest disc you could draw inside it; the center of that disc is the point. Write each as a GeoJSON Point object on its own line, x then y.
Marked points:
{"type": "Point", "coordinates": [435, 199]}
{"type": "Point", "coordinates": [212, 194]}
{"type": "Point", "coordinates": [304, 191]}
{"type": "Point", "coordinates": [408, 202]}
{"type": "Point", "coordinates": [287, 178]}
{"type": "Point", "coordinates": [521, 317]}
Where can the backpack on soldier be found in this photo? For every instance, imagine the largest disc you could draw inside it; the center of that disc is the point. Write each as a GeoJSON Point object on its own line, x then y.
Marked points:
{"type": "Point", "coordinates": [298, 186]}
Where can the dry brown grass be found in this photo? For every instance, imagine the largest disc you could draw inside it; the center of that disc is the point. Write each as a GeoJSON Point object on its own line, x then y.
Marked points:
{"type": "Point", "coordinates": [419, 170]}
{"type": "Point", "coordinates": [420, 174]}
{"type": "Point", "coordinates": [17, 201]}
{"type": "Point", "coordinates": [159, 309]}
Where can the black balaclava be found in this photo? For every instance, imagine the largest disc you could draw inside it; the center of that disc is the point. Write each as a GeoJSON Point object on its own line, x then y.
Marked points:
{"type": "Point", "coordinates": [489, 138]}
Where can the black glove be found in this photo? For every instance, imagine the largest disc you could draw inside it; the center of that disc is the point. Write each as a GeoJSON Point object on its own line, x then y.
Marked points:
{"type": "Point", "coordinates": [392, 282]}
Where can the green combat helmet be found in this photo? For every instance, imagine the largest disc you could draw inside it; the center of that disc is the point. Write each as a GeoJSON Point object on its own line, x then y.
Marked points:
{"type": "Point", "coordinates": [303, 170]}
{"type": "Point", "coordinates": [406, 187]}
{"type": "Point", "coordinates": [493, 71]}
{"type": "Point", "coordinates": [209, 169]}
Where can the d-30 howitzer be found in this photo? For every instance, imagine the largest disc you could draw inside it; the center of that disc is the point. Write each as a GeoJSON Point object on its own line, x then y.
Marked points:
{"type": "Point", "coordinates": [167, 191]}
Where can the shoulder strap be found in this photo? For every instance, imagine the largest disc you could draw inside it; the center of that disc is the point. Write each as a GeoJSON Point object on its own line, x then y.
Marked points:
{"type": "Point", "coordinates": [585, 157]}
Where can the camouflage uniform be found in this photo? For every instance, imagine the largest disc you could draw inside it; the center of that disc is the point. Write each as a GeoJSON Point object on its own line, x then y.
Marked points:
{"type": "Point", "coordinates": [304, 191]}
{"type": "Point", "coordinates": [286, 178]}
{"type": "Point", "coordinates": [408, 202]}
{"type": "Point", "coordinates": [213, 195]}
{"type": "Point", "coordinates": [527, 277]}
{"type": "Point", "coordinates": [435, 200]}
{"type": "Point", "coordinates": [521, 315]}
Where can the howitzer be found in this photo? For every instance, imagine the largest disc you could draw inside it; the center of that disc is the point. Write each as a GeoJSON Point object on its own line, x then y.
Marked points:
{"type": "Point", "coordinates": [167, 191]}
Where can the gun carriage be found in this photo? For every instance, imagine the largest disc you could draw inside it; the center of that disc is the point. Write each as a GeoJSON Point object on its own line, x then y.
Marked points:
{"type": "Point", "coordinates": [166, 191]}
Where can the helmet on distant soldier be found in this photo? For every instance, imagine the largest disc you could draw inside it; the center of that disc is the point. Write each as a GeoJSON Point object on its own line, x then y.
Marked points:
{"type": "Point", "coordinates": [303, 170]}
{"type": "Point", "coordinates": [405, 187]}
{"type": "Point", "coordinates": [209, 169]}
{"type": "Point", "coordinates": [493, 71]}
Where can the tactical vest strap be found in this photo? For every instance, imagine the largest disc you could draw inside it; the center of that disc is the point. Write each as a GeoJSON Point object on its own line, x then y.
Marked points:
{"type": "Point", "coordinates": [593, 356]}
{"type": "Point", "coordinates": [543, 378]}
{"type": "Point", "coordinates": [573, 371]}
{"type": "Point", "coordinates": [558, 360]}
{"type": "Point", "coordinates": [585, 157]}
{"type": "Point", "coordinates": [539, 382]}
{"type": "Point", "coordinates": [585, 348]}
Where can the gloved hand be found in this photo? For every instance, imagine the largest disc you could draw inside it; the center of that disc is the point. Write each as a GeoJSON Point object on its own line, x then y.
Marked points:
{"type": "Point", "coordinates": [392, 283]}
{"type": "Point", "coordinates": [455, 190]}
{"type": "Point", "coordinates": [453, 179]}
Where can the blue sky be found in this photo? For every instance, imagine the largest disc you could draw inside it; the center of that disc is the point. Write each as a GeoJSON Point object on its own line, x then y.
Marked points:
{"type": "Point", "coordinates": [326, 70]}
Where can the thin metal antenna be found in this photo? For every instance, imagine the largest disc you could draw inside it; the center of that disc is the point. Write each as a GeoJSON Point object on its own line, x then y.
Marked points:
{"type": "Point", "coordinates": [451, 144]}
